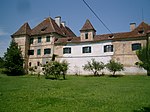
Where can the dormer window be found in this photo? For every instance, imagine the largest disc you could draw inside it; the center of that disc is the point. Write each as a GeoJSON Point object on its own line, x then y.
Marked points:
{"type": "Point", "coordinates": [111, 36]}
{"type": "Point", "coordinates": [141, 31]}
{"type": "Point", "coordinates": [86, 35]}
{"type": "Point", "coordinates": [69, 40]}
{"type": "Point", "coordinates": [44, 28]}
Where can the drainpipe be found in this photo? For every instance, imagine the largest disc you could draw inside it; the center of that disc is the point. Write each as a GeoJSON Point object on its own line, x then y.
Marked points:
{"type": "Point", "coordinates": [147, 50]}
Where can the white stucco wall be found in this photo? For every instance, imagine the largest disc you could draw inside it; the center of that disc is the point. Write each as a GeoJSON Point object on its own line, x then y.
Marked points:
{"type": "Point", "coordinates": [77, 59]}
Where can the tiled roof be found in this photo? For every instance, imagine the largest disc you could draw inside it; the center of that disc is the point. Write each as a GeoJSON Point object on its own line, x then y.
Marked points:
{"type": "Point", "coordinates": [23, 30]}
{"type": "Point", "coordinates": [87, 26]}
{"type": "Point", "coordinates": [49, 26]}
{"type": "Point", "coordinates": [116, 36]}
{"type": "Point", "coordinates": [67, 31]}
{"type": "Point", "coordinates": [46, 26]}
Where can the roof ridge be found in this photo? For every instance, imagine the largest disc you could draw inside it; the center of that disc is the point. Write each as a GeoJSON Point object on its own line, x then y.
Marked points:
{"type": "Point", "coordinates": [50, 20]}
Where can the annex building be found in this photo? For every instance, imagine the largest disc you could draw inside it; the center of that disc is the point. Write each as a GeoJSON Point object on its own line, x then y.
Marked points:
{"type": "Point", "coordinates": [53, 37]}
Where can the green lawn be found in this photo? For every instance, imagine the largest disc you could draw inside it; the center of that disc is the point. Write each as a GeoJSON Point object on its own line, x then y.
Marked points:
{"type": "Point", "coordinates": [76, 94]}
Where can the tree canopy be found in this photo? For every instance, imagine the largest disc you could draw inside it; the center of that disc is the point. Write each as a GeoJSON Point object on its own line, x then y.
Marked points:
{"type": "Point", "coordinates": [13, 60]}
{"type": "Point", "coordinates": [113, 66]}
{"type": "Point", "coordinates": [144, 57]}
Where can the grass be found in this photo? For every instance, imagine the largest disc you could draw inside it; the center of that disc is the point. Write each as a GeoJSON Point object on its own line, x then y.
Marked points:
{"type": "Point", "coordinates": [76, 94]}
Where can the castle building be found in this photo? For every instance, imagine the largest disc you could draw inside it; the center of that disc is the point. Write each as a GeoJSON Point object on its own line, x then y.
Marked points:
{"type": "Point", "coordinates": [53, 37]}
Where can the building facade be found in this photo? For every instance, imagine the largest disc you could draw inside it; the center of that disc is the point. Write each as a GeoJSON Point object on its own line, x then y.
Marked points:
{"type": "Point", "coordinates": [53, 37]}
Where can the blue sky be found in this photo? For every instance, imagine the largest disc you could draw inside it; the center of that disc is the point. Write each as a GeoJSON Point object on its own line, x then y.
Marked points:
{"type": "Point", "coordinates": [116, 14]}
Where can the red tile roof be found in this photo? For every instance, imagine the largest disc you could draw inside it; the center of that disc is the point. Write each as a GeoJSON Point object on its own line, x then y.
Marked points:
{"type": "Point", "coordinates": [23, 30]}
{"type": "Point", "coordinates": [116, 36]}
{"type": "Point", "coordinates": [87, 26]}
{"type": "Point", "coordinates": [45, 27]}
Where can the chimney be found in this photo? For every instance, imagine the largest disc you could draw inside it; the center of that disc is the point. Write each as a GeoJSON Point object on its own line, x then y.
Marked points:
{"type": "Point", "coordinates": [58, 20]}
{"type": "Point", "coordinates": [63, 23]}
{"type": "Point", "coordinates": [132, 26]}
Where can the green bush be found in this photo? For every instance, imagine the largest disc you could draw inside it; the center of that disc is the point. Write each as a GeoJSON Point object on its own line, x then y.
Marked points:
{"type": "Point", "coordinates": [94, 66]}
{"type": "Point", "coordinates": [113, 66]}
{"type": "Point", "coordinates": [55, 69]}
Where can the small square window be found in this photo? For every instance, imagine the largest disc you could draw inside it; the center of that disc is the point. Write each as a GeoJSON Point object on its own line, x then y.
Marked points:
{"type": "Point", "coordinates": [30, 52]}
{"type": "Point", "coordinates": [67, 50]}
{"type": "Point", "coordinates": [39, 39]}
{"type": "Point", "coordinates": [136, 46]}
{"type": "Point", "coordinates": [48, 39]}
{"type": "Point", "coordinates": [39, 52]}
{"type": "Point", "coordinates": [47, 51]}
{"type": "Point", "coordinates": [108, 48]}
{"type": "Point", "coordinates": [86, 49]}
{"type": "Point", "coordinates": [31, 40]}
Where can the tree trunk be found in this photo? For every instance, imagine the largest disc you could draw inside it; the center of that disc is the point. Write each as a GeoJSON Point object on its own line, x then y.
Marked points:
{"type": "Point", "coordinates": [114, 73]}
{"type": "Point", "coordinates": [148, 72]}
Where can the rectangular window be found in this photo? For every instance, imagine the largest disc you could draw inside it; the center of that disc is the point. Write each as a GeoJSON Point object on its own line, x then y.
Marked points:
{"type": "Point", "coordinates": [30, 52]}
{"type": "Point", "coordinates": [48, 39]}
{"type": "Point", "coordinates": [136, 46]}
{"type": "Point", "coordinates": [39, 39]}
{"type": "Point", "coordinates": [86, 49]}
{"type": "Point", "coordinates": [47, 51]}
{"type": "Point", "coordinates": [38, 63]}
{"type": "Point", "coordinates": [86, 35]}
{"type": "Point", "coordinates": [67, 50]}
{"type": "Point", "coordinates": [31, 40]}
{"type": "Point", "coordinates": [39, 52]}
{"type": "Point", "coordinates": [108, 48]}
{"type": "Point", "coordinates": [30, 64]}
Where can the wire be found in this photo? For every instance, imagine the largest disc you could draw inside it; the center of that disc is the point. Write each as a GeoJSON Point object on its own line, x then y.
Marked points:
{"type": "Point", "coordinates": [97, 16]}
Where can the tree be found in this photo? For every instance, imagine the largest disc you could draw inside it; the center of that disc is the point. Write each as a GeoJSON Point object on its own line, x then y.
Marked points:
{"type": "Point", "coordinates": [55, 68]}
{"type": "Point", "coordinates": [144, 56]}
{"type": "Point", "coordinates": [13, 60]}
{"type": "Point", "coordinates": [1, 62]}
{"type": "Point", "coordinates": [113, 66]}
{"type": "Point", "coordinates": [94, 66]}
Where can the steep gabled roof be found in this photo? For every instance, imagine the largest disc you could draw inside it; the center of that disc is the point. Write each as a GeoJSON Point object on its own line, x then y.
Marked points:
{"type": "Point", "coordinates": [50, 26]}
{"type": "Point", "coordinates": [87, 26]}
{"type": "Point", "coordinates": [23, 30]}
{"type": "Point", "coordinates": [46, 26]}
{"type": "Point", "coordinates": [67, 31]}
{"type": "Point", "coordinates": [142, 27]}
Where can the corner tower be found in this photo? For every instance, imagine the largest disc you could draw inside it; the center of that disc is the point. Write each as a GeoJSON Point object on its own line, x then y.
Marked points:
{"type": "Point", "coordinates": [22, 38]}
{"type": "Point", "coordinates": [87, 32]}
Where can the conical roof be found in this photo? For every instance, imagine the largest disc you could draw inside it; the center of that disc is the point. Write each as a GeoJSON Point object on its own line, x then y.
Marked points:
{"type": "Point", "coordinates": [23, 30]}
{"type": "Point", "coordinates": [87, 26]}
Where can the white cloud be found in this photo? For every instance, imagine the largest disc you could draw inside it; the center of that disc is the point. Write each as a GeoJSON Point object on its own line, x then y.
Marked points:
{"type": "Point", "coordinates": [2, 32]}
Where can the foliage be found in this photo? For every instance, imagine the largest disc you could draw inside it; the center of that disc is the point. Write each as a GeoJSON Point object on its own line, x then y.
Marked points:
{"type": "Point", "coordinates": [31, 70]}
{"type": "Point", "coordinates": [94, 66]}
{"type": "Point", "coordinates": [13, 60]}
{"type": "Point", "coordinates": [76, 94]}
{"type": "Point", "coordinates": [1, 62]}
{"type": "Point", "coordinates": [113, 66]}
{"type": "Point", "coordinates": [55, 69]}
{"type": "Point", "coordinates": [144, 57]}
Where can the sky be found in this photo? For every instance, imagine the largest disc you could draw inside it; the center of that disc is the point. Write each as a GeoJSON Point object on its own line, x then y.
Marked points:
{"type": "Point", "coordinates": [116, 14]}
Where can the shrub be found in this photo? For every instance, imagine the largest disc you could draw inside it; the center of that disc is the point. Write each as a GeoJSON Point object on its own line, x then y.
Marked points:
{"type": "Point", "coordinates": [113, 66]}
{"type": "Point", "coordinates": [94, 66]}
{"type": "Point", "coordinates": [56, 69]}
